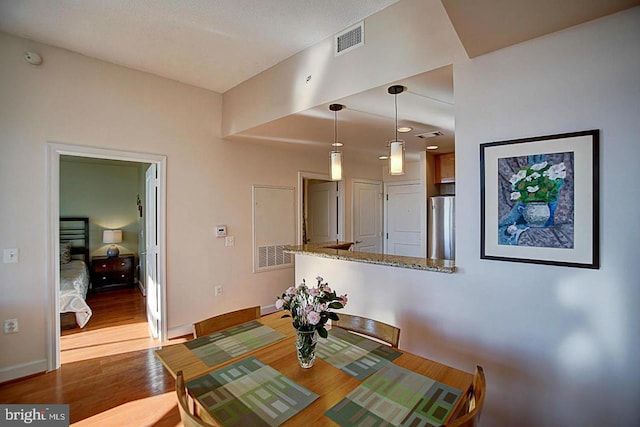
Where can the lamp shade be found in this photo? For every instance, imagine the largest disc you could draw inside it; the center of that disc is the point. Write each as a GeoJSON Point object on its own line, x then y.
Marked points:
{"type": "Point", "coordinates": [112, 236]}
{"type": "Point", "coordinates": [336, 166]}
{"type": "Point", "coordinates": [396, 158]}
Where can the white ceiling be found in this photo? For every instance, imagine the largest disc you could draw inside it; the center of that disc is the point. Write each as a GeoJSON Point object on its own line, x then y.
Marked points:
{"type": "Point", "coordinates": [213, 44]}
{"type": "Point", "coordinates": [184, 40]}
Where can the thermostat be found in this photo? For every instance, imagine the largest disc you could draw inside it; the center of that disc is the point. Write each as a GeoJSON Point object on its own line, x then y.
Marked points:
{"type": "Point", "coordinates": [221, 231]}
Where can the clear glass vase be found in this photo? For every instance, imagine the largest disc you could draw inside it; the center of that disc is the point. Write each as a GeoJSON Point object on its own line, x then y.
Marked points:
{"type": "Point", "coordinates": [306, 346]}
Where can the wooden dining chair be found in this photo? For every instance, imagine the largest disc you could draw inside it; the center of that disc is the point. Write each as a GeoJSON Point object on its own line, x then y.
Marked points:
{"type": "Point", "coordinates": [187, 406]}
{"type": "Point", "coordinates": [468, 414]}
{"type": "Point", "coordinates": [226, 320]}
{"type": "Point", "coordinates": [372, 328]}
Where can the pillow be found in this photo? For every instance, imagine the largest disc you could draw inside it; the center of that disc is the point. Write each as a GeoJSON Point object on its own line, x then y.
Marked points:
{"type": "Point", "coordinates": [65, 253]}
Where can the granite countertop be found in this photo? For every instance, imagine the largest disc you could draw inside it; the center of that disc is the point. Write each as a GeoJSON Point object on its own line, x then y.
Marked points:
{"type": "Point", "coordinates": [325, 250]}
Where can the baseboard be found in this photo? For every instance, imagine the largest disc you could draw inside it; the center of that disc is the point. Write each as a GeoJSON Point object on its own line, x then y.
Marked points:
{"type": "Point", "coordinates": [22, 370]}
{"type": "Point", "coordinates": [268, 309]}
{"type": "Point", "coordinates": [180, 331]}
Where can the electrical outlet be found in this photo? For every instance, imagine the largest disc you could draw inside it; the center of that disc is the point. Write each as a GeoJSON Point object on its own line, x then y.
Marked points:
{"type": "Point", "coordinates": [218, 290]}
{"type": "Point", "coordinates": [229, 241]}
{"type": "Point", "coordinates": [10, 326]}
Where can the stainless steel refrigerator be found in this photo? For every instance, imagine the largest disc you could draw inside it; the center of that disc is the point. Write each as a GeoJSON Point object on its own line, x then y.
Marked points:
{"type": "Point", "coordinates": [441, 230]}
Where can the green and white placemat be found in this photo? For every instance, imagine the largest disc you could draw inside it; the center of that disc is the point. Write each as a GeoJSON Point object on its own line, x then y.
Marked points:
{"type": "Point", "coordinates": [395, 396]}
{"type": "Point", "coordinates": [232, 342]}
{"type": "Point", "coordinates": [250, 393]}
{"type": "Point", "coordinates": [354, 354]}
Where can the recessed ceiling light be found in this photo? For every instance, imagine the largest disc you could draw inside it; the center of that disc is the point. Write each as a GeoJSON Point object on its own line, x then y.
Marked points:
{"type": "Point", "coordinates": [337, 144]}
{"type": "Point", "coordinates": [432, 147]}
{"type": "Point", "coordinates": [383, 157]}
{"type": "Point", "coordinates": [405, 129]}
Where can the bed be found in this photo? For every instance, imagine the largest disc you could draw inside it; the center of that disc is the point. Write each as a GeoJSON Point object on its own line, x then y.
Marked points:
{"type": "Point", "coordinates": [74, 272]}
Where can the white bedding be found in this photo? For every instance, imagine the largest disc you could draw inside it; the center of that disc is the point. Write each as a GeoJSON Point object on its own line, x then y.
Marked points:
{"type": "Point", "coordinates": [74, 284]}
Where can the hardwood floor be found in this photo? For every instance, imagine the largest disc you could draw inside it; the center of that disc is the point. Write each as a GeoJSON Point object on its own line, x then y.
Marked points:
{"type": "Point", "coordinates": [109, 375]}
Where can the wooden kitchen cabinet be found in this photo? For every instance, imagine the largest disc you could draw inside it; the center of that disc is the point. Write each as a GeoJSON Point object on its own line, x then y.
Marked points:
{"type": "Point", "coordinates": [445, 168]}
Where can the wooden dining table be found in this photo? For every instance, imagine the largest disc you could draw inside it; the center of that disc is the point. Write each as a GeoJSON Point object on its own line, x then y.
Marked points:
{"type": "Point", "coordinates": [330, 383]}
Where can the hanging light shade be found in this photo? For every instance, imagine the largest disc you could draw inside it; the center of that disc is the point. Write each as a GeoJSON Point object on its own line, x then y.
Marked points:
{"type": "Point", "coordinates": [396, 147]}
{"type": "Point", "coordinates": [336, 155]}
{"type": "Point", "coordinates": [396, 158]}
{"type": "Point", "coordinates": [336, 166]}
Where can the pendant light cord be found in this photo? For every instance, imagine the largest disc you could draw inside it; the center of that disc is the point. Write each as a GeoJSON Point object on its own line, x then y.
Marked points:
{"type": "Point", "coordinates": [335, 130]}
{"type": "Point", "coordinates": [396, 103]}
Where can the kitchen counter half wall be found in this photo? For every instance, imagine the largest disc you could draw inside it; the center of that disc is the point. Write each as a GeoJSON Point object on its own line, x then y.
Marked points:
{"type": "Point", "coordinates": [427, 264]}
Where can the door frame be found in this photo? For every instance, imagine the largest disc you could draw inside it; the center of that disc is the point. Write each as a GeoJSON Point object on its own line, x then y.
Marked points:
{"type": "Point", "coordinates": [380, 185]}
{"type": "Point", "coordinates": [302, 175]}
{"type": "Point", "coordinates": [52, 253]}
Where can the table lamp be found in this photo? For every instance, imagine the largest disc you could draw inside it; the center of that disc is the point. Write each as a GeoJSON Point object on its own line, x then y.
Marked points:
{"type": "Point", "coordinates": [112, 236]}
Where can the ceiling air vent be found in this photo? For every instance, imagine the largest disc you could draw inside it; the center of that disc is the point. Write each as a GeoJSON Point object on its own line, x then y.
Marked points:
{"type": "Point", "coordinates": [350, 38]}
{"type": "Point", "coordinates": [431, 134]}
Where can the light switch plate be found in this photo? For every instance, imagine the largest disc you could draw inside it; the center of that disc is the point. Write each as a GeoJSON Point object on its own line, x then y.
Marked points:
{"type": "Point", "coordinates": [229, 241]}
{"type": "Point", "coordinates": [11, 255]}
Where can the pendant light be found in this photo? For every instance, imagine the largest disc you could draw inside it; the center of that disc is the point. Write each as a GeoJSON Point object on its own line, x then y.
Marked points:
{"type": "Point", "coordinates": [336, 155]}
{"type": "Point", "coordinates": [396, 147]}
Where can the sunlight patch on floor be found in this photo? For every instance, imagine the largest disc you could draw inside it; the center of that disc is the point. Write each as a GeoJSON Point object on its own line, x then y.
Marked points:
{"type": "Point", "coordinates": [106, 342]}
{"type": "Point", "coordinates": [149, 411]}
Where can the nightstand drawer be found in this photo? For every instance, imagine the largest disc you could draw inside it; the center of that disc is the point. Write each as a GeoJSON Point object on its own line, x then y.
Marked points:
{"type": "Point", "coordinates": [112, 272]}
{"type": "Point", "coordinates": [101, 267]}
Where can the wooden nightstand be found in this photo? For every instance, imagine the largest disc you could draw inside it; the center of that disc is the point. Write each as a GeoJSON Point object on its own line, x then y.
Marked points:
{"type": "Point", "coordinates": [107, 273]}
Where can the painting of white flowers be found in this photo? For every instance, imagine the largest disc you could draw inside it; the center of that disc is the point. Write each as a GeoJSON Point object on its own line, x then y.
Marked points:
{"type": "Point", "coordinates": [536, 200]}
{"type": "Point", "coordinates": [540, 200]}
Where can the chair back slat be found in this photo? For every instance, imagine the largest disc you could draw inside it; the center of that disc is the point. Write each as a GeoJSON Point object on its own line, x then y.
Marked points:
{"type": "Point", "coordinates": [226, 320]}
{"type": "Point", "coordinates": [189, 419]}
{"type": "Point", "coordinates": [470, 408]}
{"type": "Point", "coordinates": [373, 328]}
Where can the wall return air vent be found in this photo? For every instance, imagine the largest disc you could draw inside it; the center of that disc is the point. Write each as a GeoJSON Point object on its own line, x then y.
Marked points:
{"type": "Point", "coordinates": [273, 256]}
{"type": "Point", "coordinates": [350, 38]}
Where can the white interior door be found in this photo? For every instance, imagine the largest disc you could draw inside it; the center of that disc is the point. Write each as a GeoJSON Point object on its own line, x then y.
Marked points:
{"type": "Point", "coordinates": [322, 200]}
{"type": "Point", "coordinates": [405, 220]}
{"type": "Point", "coordinates": [367, 216]}
{"type": "Point", "coordinates": [152, 284]}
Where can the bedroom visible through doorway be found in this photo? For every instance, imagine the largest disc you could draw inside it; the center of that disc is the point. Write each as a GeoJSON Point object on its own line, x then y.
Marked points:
{"type": "Point", "coordinates": [106, 195]}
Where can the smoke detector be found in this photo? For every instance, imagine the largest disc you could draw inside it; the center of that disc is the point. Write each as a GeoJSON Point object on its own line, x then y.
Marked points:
{"type": "Point", "coordinates": [33, 58]}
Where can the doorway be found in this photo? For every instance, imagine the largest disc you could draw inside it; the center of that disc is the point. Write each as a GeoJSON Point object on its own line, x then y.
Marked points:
{"type": "Point", "coordinates": [331, 212]}
{"type": "Point", "coordinates": [405, 219]}
{"type": "Point", "coordinates": [54, 151]}
{"type": "Point", "coordinates": [367, 216]}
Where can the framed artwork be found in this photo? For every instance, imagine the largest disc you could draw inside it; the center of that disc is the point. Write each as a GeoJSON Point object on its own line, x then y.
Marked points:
{"type": "Point", "coordinates": [540, 200]}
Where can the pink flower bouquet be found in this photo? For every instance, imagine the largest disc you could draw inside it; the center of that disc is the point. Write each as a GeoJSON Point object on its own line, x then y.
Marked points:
{"type": "Point", "coordinates": [311, 308]}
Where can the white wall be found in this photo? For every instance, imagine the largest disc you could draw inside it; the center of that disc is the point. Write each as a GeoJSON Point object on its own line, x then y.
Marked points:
{"type": "Point", "coordinates": [559, 345]}
{"type": "Point", "coordinates": [73, 99]}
